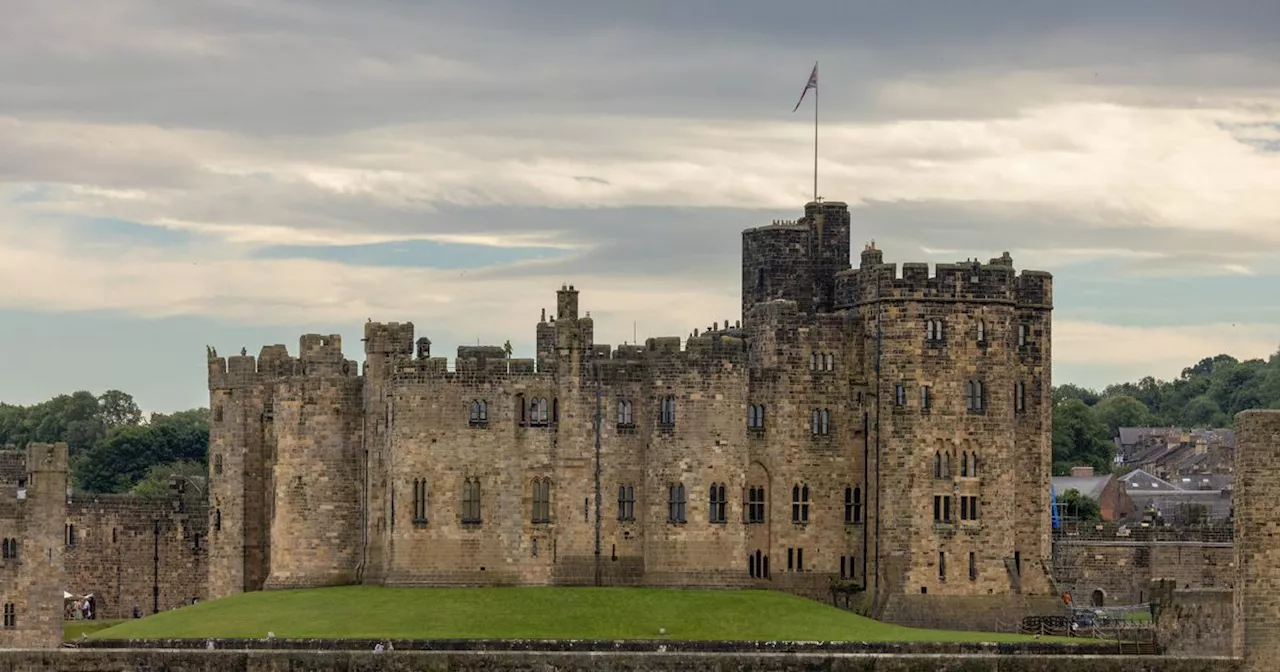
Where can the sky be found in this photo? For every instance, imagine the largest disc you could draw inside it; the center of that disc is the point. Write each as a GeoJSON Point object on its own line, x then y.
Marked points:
{"type": "Point", "coordinates": [236, 173]}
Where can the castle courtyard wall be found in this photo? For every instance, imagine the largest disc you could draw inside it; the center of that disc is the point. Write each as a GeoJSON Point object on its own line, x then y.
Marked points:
{"type": "Point", "coordinates": [124, 548]}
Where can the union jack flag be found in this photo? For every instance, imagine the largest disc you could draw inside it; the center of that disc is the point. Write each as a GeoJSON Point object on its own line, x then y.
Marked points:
{"type": "Point", "coordinates": [813, 84]}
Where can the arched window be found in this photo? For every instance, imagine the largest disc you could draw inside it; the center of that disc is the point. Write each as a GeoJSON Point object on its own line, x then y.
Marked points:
{"type": "Point", "coordinates": [973, 465]}
{"type": "Point", "coordinates": [541, 500]}
{"type": "Point", "coordinates": [419, 500]}
{"type": "Point", "coordinates": [471, 500]}
{"type": "Point", "coordinates": [625, 417]}
{"type": "Point", "coordinates": [626, 503]}
{"type": "Point", "coordinates": [479, 412]}
{"type": "Point", "coordinates": [755, 416]}
{"type": "Point", "coordinates": [755, 505]}
{"type": "Point", "coordinates": [821, 421]}
{"type": "Point", "coordinates": [524, 417]}
{"type": "Point", "coordinates": [667, 411]}
{"type": "Point", "coordinates": [800, 504]}
{"type": "Point", "coordinates": [982, 331]}
{"type": "Point", "coordinates": [829, 361]}
{"type": "Point", "coordinates": [974, 396]}
{"type": "Point", "coordinates": [964, 465]}
{"type": "Point", "coordinates": [937, 465]}
{"type": "Point", "coordinates": [718, 504]}
{"type": "Point", "coordinates": [853, 505]}
{"type": "Point", "coordinates": [675, 503]}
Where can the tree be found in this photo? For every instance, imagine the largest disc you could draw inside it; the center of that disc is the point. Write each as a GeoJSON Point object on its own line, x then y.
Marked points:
{"type": "Point", "coordinates": [155, 484]}
{"type": "Point", "coordinates": [1122, 411]}
{"type": "Point", "coordinates": [1062, 393]}
{"type": "Point", "coordinates": [118, 409]}
{"type": "Point", "coordinates": [1079, 438]}
{"type": "Point", "coordinates": [119, 462]}
{"type": "Point", "coordinates": [1203, 411]}
{"type": "Point", "coordinates": [1083, 508]}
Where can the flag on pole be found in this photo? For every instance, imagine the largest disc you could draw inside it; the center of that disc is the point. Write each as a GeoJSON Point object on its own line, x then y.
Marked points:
{"type": "Point", "coordinates": [813, 84]}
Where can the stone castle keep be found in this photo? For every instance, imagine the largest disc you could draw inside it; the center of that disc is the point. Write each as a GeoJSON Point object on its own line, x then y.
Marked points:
{"type": "Point", "coordinates": [891, 429]}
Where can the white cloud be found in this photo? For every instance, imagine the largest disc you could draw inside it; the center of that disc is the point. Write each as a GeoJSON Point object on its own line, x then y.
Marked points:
{"type": "Point", "coordinates": [1159, 351]}
{"type": "Point", "coordinates": [285, 123]}
{"type": "Point", "coordinates": [1162, 169]}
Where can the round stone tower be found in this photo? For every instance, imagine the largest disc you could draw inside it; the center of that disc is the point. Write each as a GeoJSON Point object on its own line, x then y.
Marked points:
{"type": "Point", "coordinates": [1257, 489]}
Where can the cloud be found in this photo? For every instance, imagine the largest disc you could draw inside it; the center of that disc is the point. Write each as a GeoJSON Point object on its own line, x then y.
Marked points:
{"type": "Point", "coordinates": [1159, 351]}
{"type": "Point", "coordinates": [243, 160]}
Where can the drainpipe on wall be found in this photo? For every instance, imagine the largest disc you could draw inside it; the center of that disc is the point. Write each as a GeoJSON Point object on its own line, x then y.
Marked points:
{"type": "Point", "coordinates": [364, 499]}
{"type": "Point", "coordinates": [599, 421]}
{"type": "Point", "coordinates": [879, 340]}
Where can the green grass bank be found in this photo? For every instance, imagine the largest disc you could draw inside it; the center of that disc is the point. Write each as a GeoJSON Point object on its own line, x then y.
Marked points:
{"type": "Point", "coordinates": [526, 613]}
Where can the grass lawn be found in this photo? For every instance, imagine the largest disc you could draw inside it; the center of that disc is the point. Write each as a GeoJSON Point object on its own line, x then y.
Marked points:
{"type": "Point", "coordinates": [525, 613]}
{"type": "Point", "coordinates": [71, 630]}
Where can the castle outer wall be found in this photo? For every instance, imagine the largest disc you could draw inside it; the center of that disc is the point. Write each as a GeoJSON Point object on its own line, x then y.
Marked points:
{"type": "Point", "coordinates": [130, 552]}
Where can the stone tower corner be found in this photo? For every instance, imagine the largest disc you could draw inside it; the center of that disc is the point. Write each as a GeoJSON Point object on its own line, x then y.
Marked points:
{"type": "Point", "coordinates": [1257, 613]}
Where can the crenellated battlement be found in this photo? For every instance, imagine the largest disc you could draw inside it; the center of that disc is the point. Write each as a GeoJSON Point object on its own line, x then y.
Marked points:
{"type": "Point", "coordinates": [51, 457]}
{"type": "Point", "coordinates": [465, 369]}
{"type": "Point", "coordinates": [319, 356]}
{"type": "Point", "coordinates": [389, 338]}
{"type": "Point", "coordinates": [993, 282]}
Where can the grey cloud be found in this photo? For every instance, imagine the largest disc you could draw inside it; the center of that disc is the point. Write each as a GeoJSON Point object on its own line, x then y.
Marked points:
{"type": "Point", "coordinates": [320, 67]}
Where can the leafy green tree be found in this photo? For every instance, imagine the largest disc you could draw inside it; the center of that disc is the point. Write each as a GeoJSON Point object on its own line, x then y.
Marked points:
{"type": "Point", "coordinates": [1062, 393]}
{"type": "Point", "coordinates": [1079, 438]}
{"type": "Point", "coordinates": [118, 409]}
{"type": "Point", "coordinates": [1082, 507]}
{"type": "Point", "coordinates": [1203, 411]}
{"type": "Point", "coordinates": [1122, 411]}
{"type": "Point", "coordinates": [155, 484]}
{"type": "Point", "coordinates": [125, 457]}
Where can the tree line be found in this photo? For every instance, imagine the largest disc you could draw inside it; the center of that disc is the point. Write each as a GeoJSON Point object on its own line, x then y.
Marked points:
{"type": "Point", "coordinates": [111, 447]}
{"type": "Point", "coordinates": [1206, 395]}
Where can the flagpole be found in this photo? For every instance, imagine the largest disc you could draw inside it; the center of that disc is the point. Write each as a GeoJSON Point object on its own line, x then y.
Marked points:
{"type": "Point", "coordinates": [815, 134]}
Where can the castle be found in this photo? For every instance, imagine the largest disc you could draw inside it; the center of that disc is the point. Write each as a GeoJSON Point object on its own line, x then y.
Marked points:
{"type": "Point", "coordinates": [890, 430]}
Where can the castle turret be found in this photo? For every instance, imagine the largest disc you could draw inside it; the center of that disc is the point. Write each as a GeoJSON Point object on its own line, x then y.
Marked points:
{"type": "Point", "coordinates": [316, 521]}
{"type": "Point", "coordinates": [797, 260]}
{"type": "Point", "coordinates": [35, 597]}
{"type": "Point", "coordinates": [384, 343]}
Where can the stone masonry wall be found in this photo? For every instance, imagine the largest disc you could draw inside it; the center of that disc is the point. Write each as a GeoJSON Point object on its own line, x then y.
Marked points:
{"type": "Point", "coordinates": [1121, 572]}
{"type": "Point", "coordinates": [1257, 508]}
{"type": "Point", "coordinates": [969, 324]}
{"type": "Point", "coordinates": [33, 512]}
{"type": "Point", "coordinates": [123, 548]}
{"type": "Point", "coordinates": [801, 365]}
{"type": "Point", "coordinates": [1196, 623]}
{"type": "Point", "coordinates": [316, 511]}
